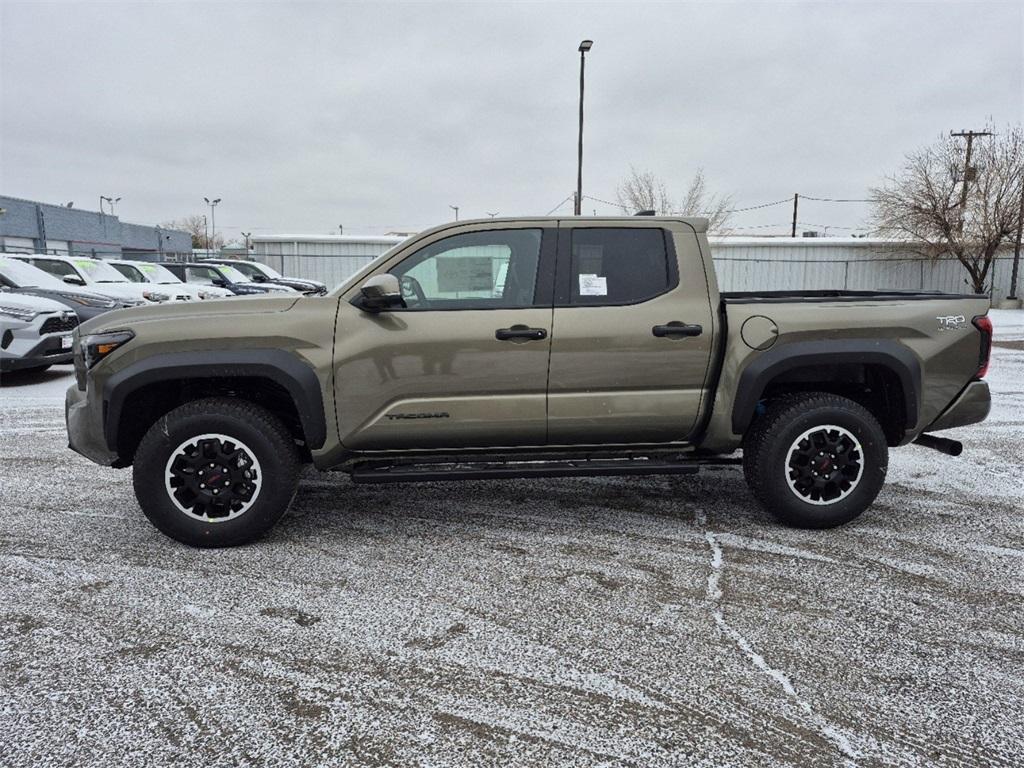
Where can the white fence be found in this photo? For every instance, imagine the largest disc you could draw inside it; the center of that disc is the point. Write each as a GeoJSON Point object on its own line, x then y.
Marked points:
{"type": "Point", "coordinates": [741, 263]}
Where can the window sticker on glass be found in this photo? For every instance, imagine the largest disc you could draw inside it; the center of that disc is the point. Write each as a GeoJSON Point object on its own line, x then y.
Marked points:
{"type": "Point", "coordinates": [593, 285]}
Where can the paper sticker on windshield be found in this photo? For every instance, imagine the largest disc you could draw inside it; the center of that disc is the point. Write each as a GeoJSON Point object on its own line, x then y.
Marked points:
{"type": "Point", "coordinates": [593, 285]}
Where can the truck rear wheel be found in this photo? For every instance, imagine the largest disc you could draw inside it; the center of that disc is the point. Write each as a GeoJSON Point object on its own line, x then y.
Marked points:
{"type": "Point", "coordinates": [815, 460]}
{"type": "Point", "coordinates": [216, 472]}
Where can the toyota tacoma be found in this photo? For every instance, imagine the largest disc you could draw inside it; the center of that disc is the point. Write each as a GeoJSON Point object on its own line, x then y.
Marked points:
{"type": "Point", "coordinates": [524, 348]}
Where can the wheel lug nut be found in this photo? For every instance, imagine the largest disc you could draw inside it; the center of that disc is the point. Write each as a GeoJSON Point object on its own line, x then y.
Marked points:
{"type": "Point", "coordinates": [215, 491]}
{"type": "Point", "coordinates": [200, 473]}
{"type": "Point", "coordinates": [202, 485]}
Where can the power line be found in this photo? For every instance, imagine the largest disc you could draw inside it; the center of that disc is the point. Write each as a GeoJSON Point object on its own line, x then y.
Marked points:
{"type": "Point", "coordinates": [567, 199]}
{"type": "Point", "coordinates": [837, 199]}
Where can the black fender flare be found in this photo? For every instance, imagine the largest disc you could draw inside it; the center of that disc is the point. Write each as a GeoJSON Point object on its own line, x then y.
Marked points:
{"type": "Point", "coordinates": [802, 354]}
{"type": "Point", "coordinates": [295, 375]}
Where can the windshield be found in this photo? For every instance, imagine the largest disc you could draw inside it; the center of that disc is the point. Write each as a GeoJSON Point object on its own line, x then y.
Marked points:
{"type": "Point", "coordinates": [99, 271]}
{"type": "Point", "coordinates": [232, 275]}
{"type": "Point", "coordinates": [156, 274]}
{"type": "Point", "coordinates": [26, 276]}
{"type": "Point", "coordinates": [129, 271]}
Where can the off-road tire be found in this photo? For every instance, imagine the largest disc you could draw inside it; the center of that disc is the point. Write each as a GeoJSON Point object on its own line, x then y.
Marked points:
{"type": "Point", "coordinates": [771, 444]}
{"type": "Point", "coordinates": [262, 434]}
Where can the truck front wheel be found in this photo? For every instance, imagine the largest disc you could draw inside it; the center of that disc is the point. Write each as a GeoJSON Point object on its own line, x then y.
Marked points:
{"type": "Point", "coordinates": [216, 472]}
{"type": "Point", "coordinates": [815, 460]}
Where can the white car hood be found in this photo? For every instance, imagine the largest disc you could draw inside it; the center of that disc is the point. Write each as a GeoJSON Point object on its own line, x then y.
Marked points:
{"type": "Point", "coordinates": [34, 303]}
{"type": "Point", "coordinates": [131, 291]}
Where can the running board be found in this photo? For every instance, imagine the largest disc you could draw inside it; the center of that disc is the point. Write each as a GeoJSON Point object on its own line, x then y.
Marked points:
{"type": "Point", "coordinates": [377, 472]}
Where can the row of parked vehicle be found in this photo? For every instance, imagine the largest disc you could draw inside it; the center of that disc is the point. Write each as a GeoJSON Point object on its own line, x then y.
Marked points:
{"type": "Point", "coordinates": [44, 297]}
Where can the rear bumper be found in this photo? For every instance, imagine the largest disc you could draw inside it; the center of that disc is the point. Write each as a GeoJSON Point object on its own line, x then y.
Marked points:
{"type": "Point", "coordinates": [971, 406]}
{"type": "Point", "coordinates": [85, 427]}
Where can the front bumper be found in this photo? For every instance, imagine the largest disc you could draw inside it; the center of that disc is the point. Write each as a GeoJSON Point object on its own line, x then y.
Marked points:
{"type": "Point", "coordinates": [23, 353]}
{"type": "Point", "coordinates": [971, 406]}
{"type": "Point", "coordinates": [84, 420]}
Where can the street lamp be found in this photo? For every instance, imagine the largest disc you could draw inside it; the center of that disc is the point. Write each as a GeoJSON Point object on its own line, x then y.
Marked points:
{"type": "Point", "coordinates": [246, 235]}
{"type": "Point", "coordinates": [111, 201]}
{"type": "Point", "coordinates": [456, 209]}
{"type": "Point", "coordinates": [585, 46]}
{"type": "Point", "coordinates": [213, 221]}
{"type": "Point", "coordinates": [492, 215]}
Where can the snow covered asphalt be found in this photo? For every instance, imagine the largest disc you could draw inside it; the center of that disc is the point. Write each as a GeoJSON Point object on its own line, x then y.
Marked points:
{"type": "Point", "coordinates": [627, 621]}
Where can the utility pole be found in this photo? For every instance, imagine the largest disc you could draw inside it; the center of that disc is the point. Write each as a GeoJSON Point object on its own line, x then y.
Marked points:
{"type": "Point", "coordinates": [1016, 249]}
{"type": "Point", "coordinates": [585, 46]}
{"type": "Point", "coordinates": [456, 209]}
{"type": "Point", "coordinates": [968, 170]}
{"type": "Point", "coordinates": [796, 203]}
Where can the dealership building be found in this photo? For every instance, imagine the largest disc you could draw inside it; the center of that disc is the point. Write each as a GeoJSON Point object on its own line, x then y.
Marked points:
{"type": "Point", "coordinates": [27, 226]}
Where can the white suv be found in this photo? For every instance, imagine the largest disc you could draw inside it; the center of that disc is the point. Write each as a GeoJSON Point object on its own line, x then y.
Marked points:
{"type": "Point", "coordinates": [97, 275]}
{"type": "Point", "coordinates": [35, 333]}
{"type": "Point", "coordinates": [143, 272]}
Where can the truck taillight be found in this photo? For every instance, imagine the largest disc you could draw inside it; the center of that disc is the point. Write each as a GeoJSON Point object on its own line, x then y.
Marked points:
{"type": "Point", "coordinates": [984, 326]}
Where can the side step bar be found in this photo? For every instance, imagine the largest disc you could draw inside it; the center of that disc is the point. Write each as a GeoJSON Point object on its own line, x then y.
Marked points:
{"type": "Point", "coordinates": [377, 472]}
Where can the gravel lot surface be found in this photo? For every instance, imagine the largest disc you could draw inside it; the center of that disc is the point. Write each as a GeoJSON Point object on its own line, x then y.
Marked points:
{"type": "Point", "coordinates": [628, 621]}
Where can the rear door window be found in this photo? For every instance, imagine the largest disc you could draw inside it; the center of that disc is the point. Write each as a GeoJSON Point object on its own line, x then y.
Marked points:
{"type": "Point", "coordinates": [611, 265]}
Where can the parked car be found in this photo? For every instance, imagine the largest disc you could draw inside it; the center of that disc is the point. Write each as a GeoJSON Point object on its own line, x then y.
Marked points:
{"type": "Point", "coordinates": [526, 348]}
{"type": "Point", "coordinates": [261, 273]}
{"type": "Point", "coordinates": [148, 272]}
{"type": "Point", "coordinates": [221, 276]}
{"type": "Point", "coordinates": [95, 274]}
{"type": "Point", "coordinates": [35, 332]}
{"type": "Point", "coordinates": [24, 278]}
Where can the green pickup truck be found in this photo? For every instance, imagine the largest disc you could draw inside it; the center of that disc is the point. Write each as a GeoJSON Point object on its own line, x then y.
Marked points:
{"type": "Point", "coordinates": [513, 348]}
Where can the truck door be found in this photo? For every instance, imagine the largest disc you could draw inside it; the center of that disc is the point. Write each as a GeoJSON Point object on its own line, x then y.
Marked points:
{"type": "Point", "coordinates": [465, 363]}
{"type": "Point", "coordinates": [632, 334]}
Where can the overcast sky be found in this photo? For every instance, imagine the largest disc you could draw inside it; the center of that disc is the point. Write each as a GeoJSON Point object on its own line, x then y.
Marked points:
{"type": "Point", "coordinates": [303, 116]}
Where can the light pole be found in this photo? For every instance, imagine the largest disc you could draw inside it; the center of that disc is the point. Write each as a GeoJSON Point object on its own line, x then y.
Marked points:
{"type": "Point", "coordinates": [585, 46]}
{"type": "Point", "coordinates": [246, 235]}
{"type": "Point", "coordinates": [213, 220]}
{"type": "Point", "coordinates": [456, 209]}
{"type": "Point", "coordinates": [492, 215]}
{"type": "Point", "coordinates": [110, 201]}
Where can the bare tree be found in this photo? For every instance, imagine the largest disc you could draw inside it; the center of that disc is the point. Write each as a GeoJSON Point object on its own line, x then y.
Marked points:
{"type": "Point", "coordinates": [922, 202]}
{"type": "Point", "coordinates": [196, 226]}
{"type": "Point", "coordinates": [644, 191]}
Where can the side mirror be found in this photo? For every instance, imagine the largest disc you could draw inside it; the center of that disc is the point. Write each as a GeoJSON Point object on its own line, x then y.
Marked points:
{"type": "Point", "coordinates": [258, 278]}
{"type": "Point", "coordinates": [220, 282]}
{"type": "Point", "coordinates": [73, 280]}
{"type": "Point", "coordinates": [381, 292]}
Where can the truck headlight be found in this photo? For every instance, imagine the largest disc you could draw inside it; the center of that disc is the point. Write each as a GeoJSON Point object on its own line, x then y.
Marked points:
{"type": "Point", "coordinates": [156, 296]}
{"type": "Point", "coordinates": [96, 346]}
